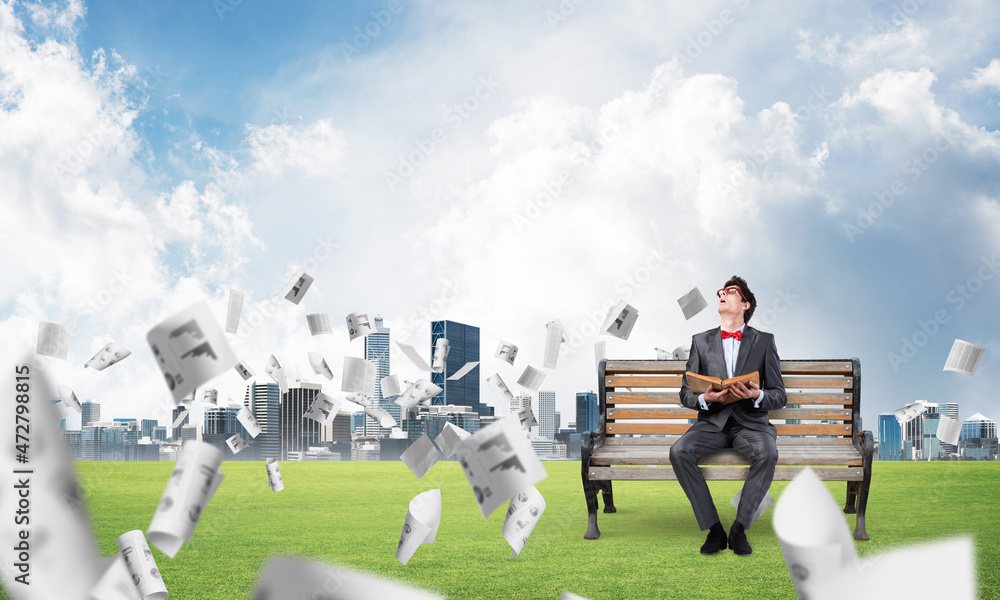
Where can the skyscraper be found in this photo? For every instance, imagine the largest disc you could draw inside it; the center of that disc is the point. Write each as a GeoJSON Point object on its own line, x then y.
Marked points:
{"type": "Point", "coordinates": [547, 414]}
{"type": "Point", "coordinates": [586, 411]}
{"type": "Point", "coordinates": [950, 410]}
{"type": "Point", "coordinates": [377, 351]}
{"type": "Point", "coordinates": [978, 426]}
{"type": "Point", "coordinates": [264, 402]}
{"type": "Point", "coordinates": [148, 425]}
{"type": "Point", "coordinates": [890, 437]}
{"type": "Point", "coordinates": [463, 343]}
{"type": "Point", "coordinates": [914, 429]}
{"type": "Point", "coordinates": [221, 420]}
{"type": "Point", "coordinates": [931, 447]}
{"type": "Point", "coordinates": [298, 433]}
{"type": "Point", "coordinates": [90, 412]}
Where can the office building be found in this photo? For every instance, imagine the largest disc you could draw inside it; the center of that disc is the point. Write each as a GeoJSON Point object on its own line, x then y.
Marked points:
{"type": "Point", "coordinates": [175, 434]}
{"type": "Point", "coordinates": [377, 351]}
{"type": "Point", "coordinates": [148, 425]}
{"type": "Point", "coordinates": [586, 412]}
{"type": "Point", "coordinates": [558, 421]}
{"type": "Point", "coordinates": [222, 420]}
{"type": "Point", "coordinates": [264, 402]}
{"type": "Point", "coordinates": [90, 412]}
{"type": "Point", "coordinates": [914, 429]}
{"type": "Point", "coordinates": [978, 426]}
{"type": "Point", "coordinates": [160, 433]}
{"type": "Point", "coordinates": [546, 414]}
{"type": "Point", "coordinates": [890, 437]}
{"type": "Point", "coordinates": [298, 433]}
{"type": "Point", "coordinates": [463, 343]}
{"type": "Point", "coordinates": [950, 410]}
{"type": "Point", "coordinates": [931, 447]}
{"type": "Point", "coordinates": [338, 431]}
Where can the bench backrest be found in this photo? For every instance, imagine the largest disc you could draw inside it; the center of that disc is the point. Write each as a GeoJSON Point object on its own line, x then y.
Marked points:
{"type": "Point", "coordinates": [643, 397]}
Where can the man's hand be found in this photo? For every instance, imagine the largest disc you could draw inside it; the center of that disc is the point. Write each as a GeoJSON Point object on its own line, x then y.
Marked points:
{"type": "Point", "coordinates": [742, 392]}
{"type": "Point", "coordinates": [714, 396]}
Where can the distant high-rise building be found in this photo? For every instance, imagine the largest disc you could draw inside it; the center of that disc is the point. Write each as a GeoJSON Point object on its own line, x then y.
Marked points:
{"type": "Point", "coordinates": [160, 433]}
{"type": "Point", "coordinates": [558, 421]}
{"type": "Point", "coordinates": [221, 420]}
{"type": "Point", "coordinates": [148, 425]}
{"type": "Point", "coordinates": [90, 412]}
{"type": "Point", "coordinates": [463, 344]}
{"type": "Point", "coordinates": [586, 412]}
{"type": "Point", "coordinates": [950, 410]}
{"type": "Point", "coordinates": [377, 351]}
{"type": "Point", "coordinates": [978, 426]}
{"type": "Point", "coordinates": [358, 423]}
{"type": "Point", "coordinates": [546, 414]}
{"type": "Point", "coordinates": [338, 431]}
{"type": "Point", "coordinates": [890, 437]}
{"type": "Point", "coordinates": [176, 433]}
{"type": "Point", "coordinates": [191, 433]}
{"type": "Point", "coordinates": [264, 401]}
{"type": "Point", "coordinates": [914, 429]}
{"type": "Point", "coordinates": [931, 447]}
{"type": "Point", "coordinates": [298, 433]}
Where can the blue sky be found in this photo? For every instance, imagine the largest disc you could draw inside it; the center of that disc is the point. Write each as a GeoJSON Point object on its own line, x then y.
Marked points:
{"type": "Point", "coordinates": [506, 164]}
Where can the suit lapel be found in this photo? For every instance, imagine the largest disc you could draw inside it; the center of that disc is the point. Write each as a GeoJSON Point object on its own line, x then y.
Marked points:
{"type": "Point", "coordinates": [746, 345]}
{"type": "Point", "coordinates": [716, 358]}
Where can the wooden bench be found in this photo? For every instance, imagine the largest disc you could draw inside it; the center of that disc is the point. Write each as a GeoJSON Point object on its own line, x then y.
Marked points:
{"type": "Point", "coordinates": [641, 416]}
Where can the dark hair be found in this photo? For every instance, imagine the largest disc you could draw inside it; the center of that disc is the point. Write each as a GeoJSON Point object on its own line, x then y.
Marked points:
{"type": "Point", "coordinates": [747, 295]}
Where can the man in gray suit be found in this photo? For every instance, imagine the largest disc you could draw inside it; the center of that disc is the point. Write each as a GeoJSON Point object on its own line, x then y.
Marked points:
{"type": "Point", "coordinates": [734, 418]}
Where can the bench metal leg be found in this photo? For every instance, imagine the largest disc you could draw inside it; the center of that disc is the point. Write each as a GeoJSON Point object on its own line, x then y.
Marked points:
{"type": "Point", "coordinates": [589, 490]}
{"type": "Point", "coordinates": [867, 451]}
{"type": "Point", "coordinates": [609, 499]}
{"type": "Point", "coordinates": [852, 496]}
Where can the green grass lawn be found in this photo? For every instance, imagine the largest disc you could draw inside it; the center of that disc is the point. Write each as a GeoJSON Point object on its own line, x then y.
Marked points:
{"type": "Point", "coordinates": [352, 513]}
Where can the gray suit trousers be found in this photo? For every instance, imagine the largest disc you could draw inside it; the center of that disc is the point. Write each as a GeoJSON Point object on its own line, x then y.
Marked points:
{"type": "Point", "coordinates": [702, 440]}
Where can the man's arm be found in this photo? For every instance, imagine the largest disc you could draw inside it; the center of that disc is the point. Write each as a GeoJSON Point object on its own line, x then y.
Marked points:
{"type": "Point", "coordinates": [689, 398]}
{"type": "Point", "coordinates": [773, 396]}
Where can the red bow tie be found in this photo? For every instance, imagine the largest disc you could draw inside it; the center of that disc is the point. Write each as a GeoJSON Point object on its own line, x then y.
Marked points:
{"type": "Point", "coordinates": [735, 334]}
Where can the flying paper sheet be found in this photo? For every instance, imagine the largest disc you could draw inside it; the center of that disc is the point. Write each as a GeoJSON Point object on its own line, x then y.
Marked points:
{"type": "Point", "coordinates": [248, 421]}
{"type": "Point", "coordinates": [554, 338]}
{"type": "Point", "coordinates": [397, 433]}
{"type": "Point", "coordinates": [116, 582]}
{"type": "Point", "coordinates": [244, 370]}
{"type": "Point", "coordinates": [449, 438]}
{"type": "Point", "coordinates": [662, 354]}
{"type": "Point", "coordinates": [359, 376]}
{"type": "Point", "coordinates": [421, 524]}
{"type": "Point", "coordinates": [297, 287]}
{"type": "Point", "coordinates": [823, 562]}
{"type": "Point", "coordinates": [69, 397]}
{"type": "Point", "coordinates": [506, 352]}
{"type": "Point", "coordinates": [40, 494]}
{"type": "Point", "coordinates": [286, 578]}
{"type": "Point", "coordinates": [531, 378]}
{"type": "Point", "coordinates": [498, 462]}
{"type": "Point", "coordinates": [525, 509]}
{"type": "Point", "coordinates": [277, 373]}
{"type": "Point", "coordinates": [191, 487]}
{"type": "Point", "coordinates": [236, 443]}
{"type": "Point", "coordinates": [949, 430]}
{"type": "Point", "coordinates": [61, 410]}
{"type": "Point", "coordinates": [359, 324]}
{"type": "Point", "coordinates": [463, 371]}
{"type": "Point", "coordinates": [319, 323]}
{"type": "Point", "coordinates": [765, 503]}
{"type": "Point", "coordinates": [107, 356]}
{"type": "Point", "coordinates": [235, 308]}
{"type": "Point", "coordinates": [600, 354]}
{"type": "Point", "coordinates": [909, 412]}
{"type": "Point", "coordinates": [964, 357]}
{"type": "Point", "coordinates": [416, 393]}
{"type": "Point", "coordinates": [210, 396]}
{"type": "Point", "coordinates": [319, 365]}
{"type": "Point", "coordinates": [420, 456]}
{"type": "Point", "coordinates": [569, 596]}
{"type": "Point", "coordinates": [499, 387]}
{"type": "Point", "coordinates": [441, 349]}
{"type": "Point", "coordinates": [323, 409]}
{"type": "Point", "coordinates": [180, 418]}
{"type": "Point", "coordinates": [526, 417]}
{"type": "Point", "coordinates": [681, 353]}
{"type": "Point", "coordinates": [141, 565]}
{"type": "Point", "coordinates": [274, 475]}
{"type": "Point", "coordinates": [414, 356]}
{"type": "Point", "coordinates": [53, 340]}
{"type": "Point", "coordinates": [390, 386]}
{"type": "Point", "coordinates": [190, 349]}
{"type": "Point", "coordinates": [621, 318]}
{"type": "Point", "coordinates": [358, 400]}
{"type": "Point", "coordinates": [381, 415]}
{"type": "Point", "coordinates": [692, 303]}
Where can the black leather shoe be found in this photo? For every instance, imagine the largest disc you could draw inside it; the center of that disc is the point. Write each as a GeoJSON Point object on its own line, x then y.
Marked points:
{"type": "Point", "coordinates": [715, 541]}
{"type": "Point", "coordinates": [738, 540]}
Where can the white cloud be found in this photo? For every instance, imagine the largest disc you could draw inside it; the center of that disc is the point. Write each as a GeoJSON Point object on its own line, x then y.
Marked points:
{"type": "Point", "coordinates": [905, 46]}
{"type": "Point", "coordinates": [985, 77]}
{"type": "Point", "coordinates": [316, 150]}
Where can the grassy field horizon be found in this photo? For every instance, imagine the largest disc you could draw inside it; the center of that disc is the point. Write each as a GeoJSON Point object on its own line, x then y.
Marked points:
{"type": "Point", "coordinates": [351, 513]}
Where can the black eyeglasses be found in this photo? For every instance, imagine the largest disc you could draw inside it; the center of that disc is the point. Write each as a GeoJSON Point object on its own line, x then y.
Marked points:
{"type": "Point", "coordinates": [732, 291]}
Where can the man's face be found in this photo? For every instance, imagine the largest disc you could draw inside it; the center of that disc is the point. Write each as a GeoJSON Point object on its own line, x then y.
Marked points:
{"type": "Point", "coordinates": [731, 301]}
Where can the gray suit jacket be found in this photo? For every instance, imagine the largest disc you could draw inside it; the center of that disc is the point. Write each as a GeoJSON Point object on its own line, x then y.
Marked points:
{"type": "Point", "coordinates": [757, 353]}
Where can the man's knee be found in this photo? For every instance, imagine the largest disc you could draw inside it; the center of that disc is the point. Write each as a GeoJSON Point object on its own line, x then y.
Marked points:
{"type": "Point", "coordinates": [678, 452]}
{"type": "Point", "coordinates": [766, 453]}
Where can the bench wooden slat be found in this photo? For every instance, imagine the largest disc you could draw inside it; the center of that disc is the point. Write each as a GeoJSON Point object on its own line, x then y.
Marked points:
{"type": "Point", "coordinates": [808, 398]}
{"type": "Point", "coordinates": [674, 381]}
{"type": "Point", "coordinates": [681, 412]}
{"type": "Point", "coordinates": [721, 473]}
{"type": "Point", "coordinates": [784, 443]}
{"type": "Point", "coordinates": [679, 428]}
{"type": "Point", "coordinates": [660, 455]}
{"type": "Point", "coordinates": [788, 367]}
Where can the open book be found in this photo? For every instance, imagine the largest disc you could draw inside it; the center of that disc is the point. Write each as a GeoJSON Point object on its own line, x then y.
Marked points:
{"type": "Point", "coordinates": [700, 384]}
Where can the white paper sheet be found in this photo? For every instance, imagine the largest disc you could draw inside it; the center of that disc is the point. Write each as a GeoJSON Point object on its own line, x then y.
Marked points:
{"type": "Point", "coordinates": [692, 303]}
{"type": "Point", "coordinates": [449, 438]}
{"type": "Point", "coordinates": [390, 386]}
{"type": "Point", "coordinates": [180, 418]}
{"type": "Point", "coordinates": [531, 378]}
{"type": "Point", "coordinates": [69, 398]}
{"type": "Point", "coordinates": [323, 409]}
{"type": "Point", "coordinates": [662, 354]}
{"type": "Point", "coordinates": [244, 370]}
{"type": "Point", "coordinates": [463, 371]}
{"type": "Point", "coordinates": [420, 456]}
{"type": "Point", "coordinates": [600, 353]}
{"type": "Point", "coordinates": [418, 392]}
{"type": "Point", "coordinates": [411, 353]}
{"type": "Point", "coordinates": [286, 578]}
{"type": "Point", "coordinates": [421, 525]}
{"type": "Point", "coordinates": [141, 565]}
{"type": "Point", "coordinates": [319, 323]}
{"type": "Point", "coordinates": [235, 309]}
{"type": "Point", "coordinates": [909, 412]}
{"type": "Point", "coordinates": [620, 320]}
{"type": "Point", "coordinates": [554, 337]}
{"type": "Point", "coordinates": [359, 376]}
{"type": "Point", "coordinates": [236, 443]}
{"type": "Point", "coordinates": [526, 417]}
{"type": "Point", "coordinates": [190, 349]}
{"type": "Point", "coordinates": [359, 324]}
{"type": "Point", "coordinates": [765, 503]}
{"type": "Point", "coordinates": [297, 287]}
{"type": "Point", "coordinates": [506, 352]}
{"type": "Point", "coordinates": [192, 485]}
{"type": "Point", "coordinates": [498, 462]}
{"type": "Point", "coordinates": [107, 356]}
{"type": "Point", "coordinates": [525, 509]}
{"type": "Point", "coordinates": [569, 596]}
{"type": "Point", "coordinates": [248, 421]}
{"type": "Point", "coordinates": [277, 373]}
{"type": "Point", "coordinates": [496, 383]}
{"type": "Point", "coordinates": [964, 357]}
{"type": "Point", "coordinates": [319, 365]}
{"type": "Point", "coordinates": [384, 418]}
{"type": "Point", "coordinates": [681, 353]}
{"type": "Point", "coordinates": [274, 475]}
{"type": "Point", "coordinates": [210, 396]}
{"type": "Point", "coordinates": [949, 430]}
{"type": "Point", "coordinates": [441, 349]}
{"type": "Point", "coordinates": [53, 340]}
{"type": "Point", "coordinates": [115, 582]}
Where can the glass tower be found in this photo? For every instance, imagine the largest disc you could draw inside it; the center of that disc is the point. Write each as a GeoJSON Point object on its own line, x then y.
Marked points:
{"type": "Point", "coordinates": [586, 411]}
{"type": "Point", "coordinates": [890, 437]}
{"type": "Point", "coordinates": [264, 401]}
{"type": "Point", "coordinates": [463, 342]}
{"type": "Point", "coordinates": [377, 351]}
{"type": "Point", "coordinates": [297, 432]}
